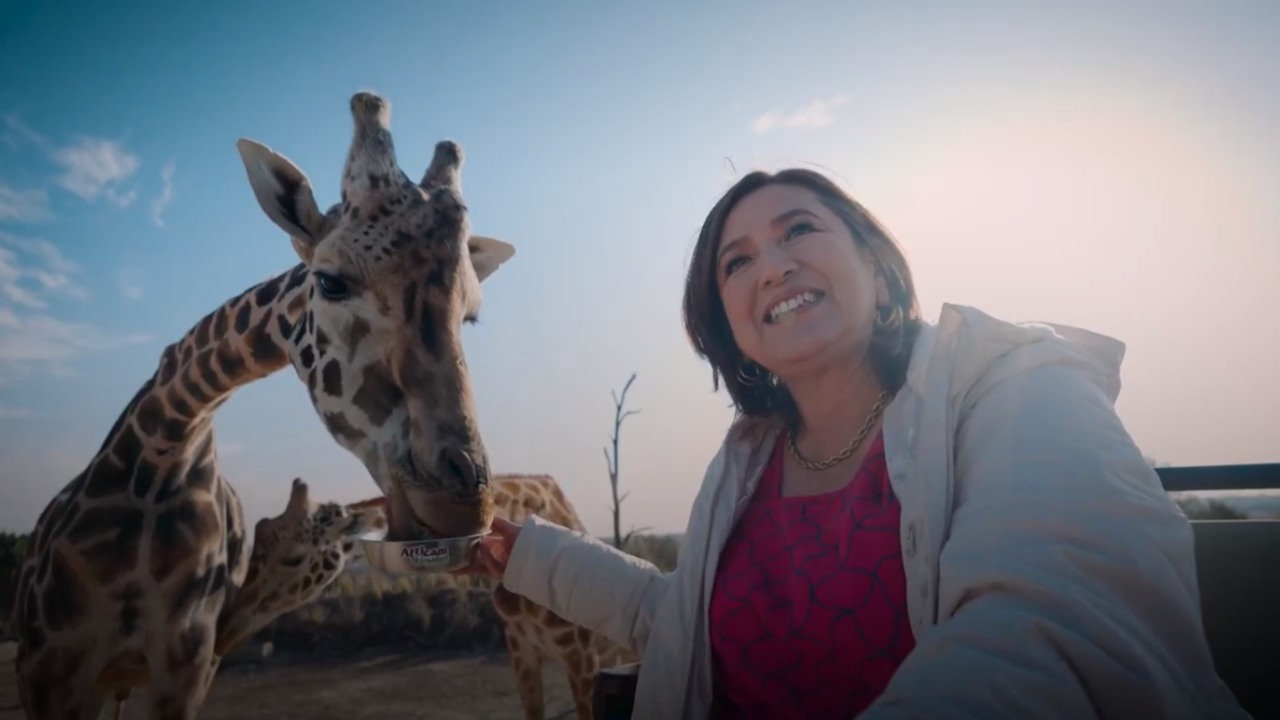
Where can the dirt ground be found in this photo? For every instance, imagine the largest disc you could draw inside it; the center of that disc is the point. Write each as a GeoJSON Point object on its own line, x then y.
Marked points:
{"type": "Point", "coordinates": [362, 688]}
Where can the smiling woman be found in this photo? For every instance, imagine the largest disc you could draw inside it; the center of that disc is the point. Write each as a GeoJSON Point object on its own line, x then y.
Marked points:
{"type": "Point", "coordinates": [906, 520]}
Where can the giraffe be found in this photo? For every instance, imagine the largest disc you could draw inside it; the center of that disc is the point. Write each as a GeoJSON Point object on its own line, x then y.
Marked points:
{"type": "Point", "coordinates": [295, 555]}
{"type": "Point", "coordinates": [132, 556]}
{"type": "Point", "coordinates": [534, 634]}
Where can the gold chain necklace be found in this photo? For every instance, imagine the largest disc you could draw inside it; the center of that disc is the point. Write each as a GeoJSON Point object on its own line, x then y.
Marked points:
{"type": "Point", "coordinates": [849, 449]}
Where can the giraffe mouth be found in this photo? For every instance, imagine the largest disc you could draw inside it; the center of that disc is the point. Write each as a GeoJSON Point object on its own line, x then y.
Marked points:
{"type": "Point", "coordinates": [404, 524]}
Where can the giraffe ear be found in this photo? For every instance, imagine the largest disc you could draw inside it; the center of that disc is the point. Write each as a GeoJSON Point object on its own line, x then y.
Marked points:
{"type": "Point", "coordinates": [488, 254]}
{"type": "Point", "coordinates": [284, 194]}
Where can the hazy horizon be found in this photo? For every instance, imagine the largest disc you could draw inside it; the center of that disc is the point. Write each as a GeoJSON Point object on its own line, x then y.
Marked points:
{"type": "Point", "coordinates": [1097, 167]}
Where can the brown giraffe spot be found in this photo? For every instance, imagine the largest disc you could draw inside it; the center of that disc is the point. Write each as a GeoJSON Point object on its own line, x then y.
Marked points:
{"type": "Point", "coordinates": [170, 545]}
{"type": "Point", "coordinates": [333, 378]}
{"type": "Point", "coordinates": [338, 424]}
{"type": "Point", "coordinates": [297, 276]}
{"type": "Point", "coordinates": [210, 378]}
{"type": "Point", "coordinates": [377, 396]}
{"type": "Point", "coordinates": [202, 331]}
{"type": "Point", "coordinates": [268, 291]}
{"type": "Point", "coordinates": [322, 342]}
{"type": "Point", "coordinates": [108, 560]}
{"type": "Point", "coordinates": [263, 347]}
{"type": "Point", "coordinates": [69, 512]}
{"type": "Point", "coordinates": [358, 331]}
{"type": "Point", "coordinates": [188, 351]}
{"type": "Point", "coordinates": [113, 529]}
{"type": "Point", "coordinates": [220, 321]}
{"type": "Point", "coordinates": [168, 364]}
{"type": "Point", "coordinates": [243, 315]}
{"type": "Point", "coordinates": [295, 305]}
{"type": "Point", "coordinates": [283, 326]}
{"type": "Point", "coordinates": [127, 447]}
{"type": "Point", "coordinates": [230, 362]}
{"type": "Point", "coordinates": [144, 476]}
{"type": "Point", "coordinates": [65, 597]}
{"type": "Point", "coordinates": [308, 357]}
{"type": "Point", "coordinates": [178, 405]}
{"type": "Point", "coordinates": [193, 387]}
{"type": "Point", "coordinates": [150, 414]}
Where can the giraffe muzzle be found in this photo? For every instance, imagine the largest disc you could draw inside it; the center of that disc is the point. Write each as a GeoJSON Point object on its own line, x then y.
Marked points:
{"type": "Point", "coordinates": [452, 500]}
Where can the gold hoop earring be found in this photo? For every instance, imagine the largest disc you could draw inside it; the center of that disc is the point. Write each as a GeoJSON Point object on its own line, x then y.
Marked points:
{"type": "Point", "coordinates": [889, 317]}
{"type": "Point", "coordinates": [752, 379]}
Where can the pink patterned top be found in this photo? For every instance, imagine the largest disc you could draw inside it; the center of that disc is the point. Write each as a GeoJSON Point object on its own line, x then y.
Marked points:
{"type": "Point", "coordinates": [808, 615]}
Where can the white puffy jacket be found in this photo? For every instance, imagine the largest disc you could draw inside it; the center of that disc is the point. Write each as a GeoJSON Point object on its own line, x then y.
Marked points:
{"type": "Point", "coordinates": [1048, 573]}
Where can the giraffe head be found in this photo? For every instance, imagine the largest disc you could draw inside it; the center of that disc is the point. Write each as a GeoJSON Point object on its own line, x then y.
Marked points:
{"type": "Point", "coordinates": [295, 556]}
{"type": "Point", "coordinates": [393, 273]}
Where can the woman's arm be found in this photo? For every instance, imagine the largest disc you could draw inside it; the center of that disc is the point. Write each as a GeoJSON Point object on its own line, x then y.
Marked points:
{"type": "Point", "coordinates": [586, 581]}
{"type": "Point", "coordinates": [1067, 582]}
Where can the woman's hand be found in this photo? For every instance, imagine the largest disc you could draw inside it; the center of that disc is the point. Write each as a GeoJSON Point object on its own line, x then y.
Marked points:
{"type": "Point", "coordinates": [490, 555]}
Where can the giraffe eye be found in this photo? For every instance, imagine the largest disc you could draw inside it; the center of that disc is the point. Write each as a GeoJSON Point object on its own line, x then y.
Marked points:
{"type": "Point", "coordinates": [332, 287]}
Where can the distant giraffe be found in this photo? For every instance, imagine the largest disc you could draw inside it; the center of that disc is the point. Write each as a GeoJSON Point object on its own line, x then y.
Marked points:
{"type": "Point", "coordinates": [295, 556]}
{"type": "Point", "coordinates": [534, 634]}
{"type": "Point", "coordinates": [132, 558]}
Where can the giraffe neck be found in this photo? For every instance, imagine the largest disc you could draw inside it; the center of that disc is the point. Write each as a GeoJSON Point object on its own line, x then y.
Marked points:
{"type": "Point", "coordinates": [164, 437]}
{"type": "Point", "coordinates": [243, 340]}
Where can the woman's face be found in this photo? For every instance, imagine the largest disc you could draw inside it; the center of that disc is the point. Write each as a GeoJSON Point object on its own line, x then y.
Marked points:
{"type": "Point", "coordinates": [795, 284]}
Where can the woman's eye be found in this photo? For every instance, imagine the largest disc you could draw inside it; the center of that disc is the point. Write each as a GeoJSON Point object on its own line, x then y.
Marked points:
{"type": "Point", "coordinates": [800, 228]}
{"type": "Point", "coordinates": [733, 264]}
{"type": "Point", "coordinates": [331, 287]}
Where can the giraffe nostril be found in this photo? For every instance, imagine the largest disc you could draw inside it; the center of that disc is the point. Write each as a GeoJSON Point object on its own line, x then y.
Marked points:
{"type": "Point", "coordinates": [459, 467]}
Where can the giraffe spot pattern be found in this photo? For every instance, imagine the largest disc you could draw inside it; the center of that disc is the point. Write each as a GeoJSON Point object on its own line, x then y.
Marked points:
{"type": "Point", "coordinates": [332, 378]}
{"type": "Point", "coordinates": [65, 598]}
{"type": "Point", "coordinates": [377, 396]}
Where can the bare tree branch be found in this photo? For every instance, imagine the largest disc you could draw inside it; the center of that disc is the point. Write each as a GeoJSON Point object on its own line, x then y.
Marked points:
{"type": "Point", "coordinates": [611, 461]}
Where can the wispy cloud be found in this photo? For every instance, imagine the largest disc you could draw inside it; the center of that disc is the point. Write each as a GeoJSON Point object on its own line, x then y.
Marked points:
{"type": "Point", "coordinates": [95, 167]}
{"type": "Point", "coordinates": [41, 338]}
{"type": "Point", "coordinates": [24, 206]}
{"type": "Point", "coordinates": [32, 268]}
{"type": "Point", "coordinates": [130, 284]}
{"type": "Point", "coordinates": [815, 114]}
{"type": "Point", "coordinates": [33, 339]}
{"type": "Point", "coordinates": [17, 133]}
{"type": "Point", "coordinates": [161, 203]}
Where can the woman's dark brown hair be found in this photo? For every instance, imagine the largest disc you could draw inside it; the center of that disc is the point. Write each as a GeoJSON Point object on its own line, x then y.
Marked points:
{"type": "Point", "coordinates": [708, 326]}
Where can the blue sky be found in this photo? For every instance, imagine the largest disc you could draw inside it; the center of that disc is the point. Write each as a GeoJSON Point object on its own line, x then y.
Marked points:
{"type": "Point", "coordinates": [1111, 168]}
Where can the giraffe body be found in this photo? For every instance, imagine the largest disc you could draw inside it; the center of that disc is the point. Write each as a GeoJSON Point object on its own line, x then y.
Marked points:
{"type": "Point", "coordinates": [130, 565]}
{"type": "Point", "coordinates": [534, 634]}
